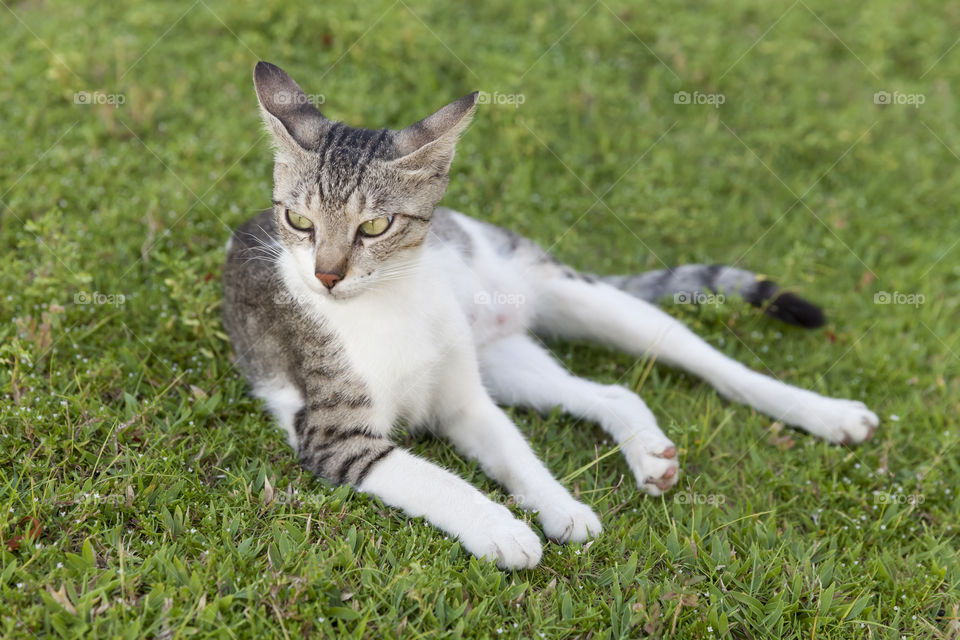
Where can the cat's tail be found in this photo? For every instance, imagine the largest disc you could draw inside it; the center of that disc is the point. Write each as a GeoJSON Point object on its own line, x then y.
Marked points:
{"type": "Point", "coordinates": [695, 283]}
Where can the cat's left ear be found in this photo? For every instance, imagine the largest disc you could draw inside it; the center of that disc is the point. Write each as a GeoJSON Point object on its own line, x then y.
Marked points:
{"type": "Point", "coordinates": [429, 145]}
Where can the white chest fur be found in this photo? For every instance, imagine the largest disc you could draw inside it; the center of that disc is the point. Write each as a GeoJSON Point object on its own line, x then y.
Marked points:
{"type": "Point", "coordinates": [397, 339]}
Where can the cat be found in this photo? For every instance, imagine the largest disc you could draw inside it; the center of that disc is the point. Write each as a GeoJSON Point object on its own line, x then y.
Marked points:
{"type": "Point", "coordinates": [356, 303]}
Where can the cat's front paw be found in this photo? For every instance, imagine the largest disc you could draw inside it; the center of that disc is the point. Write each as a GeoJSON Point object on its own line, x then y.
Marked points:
{"type": "Point", "coordinates": [570, 521]}
{"type": "Point", "coordinates": [653, 460]}
{"type": "Point", "coordinates": [500, 537]}
{"type": "Point", "coordinates": [840, 421]}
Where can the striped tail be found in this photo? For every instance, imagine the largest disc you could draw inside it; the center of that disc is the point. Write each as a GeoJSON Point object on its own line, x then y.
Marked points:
{"type": "Point", "coordinates": [688, 282]}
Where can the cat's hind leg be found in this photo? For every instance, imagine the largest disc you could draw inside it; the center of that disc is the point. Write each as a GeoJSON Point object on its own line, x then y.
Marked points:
{"type": "Point", "coordinates": [519, 372]}
{"type": "Point", "coordinates": [578, 308]}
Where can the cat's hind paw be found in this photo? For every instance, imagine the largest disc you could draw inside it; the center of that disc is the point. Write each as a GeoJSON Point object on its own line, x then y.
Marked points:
{"type": "Point", "coordinates": [840, 421]}
{"type": "Point", "coordinates": [654, 464]}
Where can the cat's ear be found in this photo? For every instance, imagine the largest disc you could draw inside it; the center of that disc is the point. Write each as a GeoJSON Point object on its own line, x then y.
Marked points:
{"type": "Point", "coordinates": [287, 111]}
{"type": "Point", "coordinates": [429, 145]}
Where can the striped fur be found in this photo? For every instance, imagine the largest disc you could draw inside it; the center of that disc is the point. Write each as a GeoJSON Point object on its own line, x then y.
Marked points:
{"type": "Point", "coordinates": [685, 282]}
{"type": "Point", "coordinates": [274, 346]}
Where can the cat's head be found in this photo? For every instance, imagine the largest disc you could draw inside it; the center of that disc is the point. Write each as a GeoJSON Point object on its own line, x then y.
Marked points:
{"type": "Point", "coordinates": [353, 206]}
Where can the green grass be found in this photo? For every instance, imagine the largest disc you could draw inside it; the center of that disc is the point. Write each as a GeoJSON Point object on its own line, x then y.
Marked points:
{"type": "Point", "coordinates": [134, 468]}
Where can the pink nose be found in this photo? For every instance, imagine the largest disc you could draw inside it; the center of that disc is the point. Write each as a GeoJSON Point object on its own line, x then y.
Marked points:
{"type": "Point", "coordinates": [329, 280]}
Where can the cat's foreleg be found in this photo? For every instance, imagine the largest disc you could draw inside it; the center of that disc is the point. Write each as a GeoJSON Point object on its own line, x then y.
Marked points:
{"type": "Point", "coordinates": [484, 528]}
{"type": "Point", "coordinates": [476, 426]}
{"type": "Point", "coordinates": [336, 441]}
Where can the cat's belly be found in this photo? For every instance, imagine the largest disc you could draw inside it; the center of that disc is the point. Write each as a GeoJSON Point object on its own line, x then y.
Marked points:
{"type": "Point", "coordinates": [495, 314]}
{"type": "Point", "coordinates": [492, 296]}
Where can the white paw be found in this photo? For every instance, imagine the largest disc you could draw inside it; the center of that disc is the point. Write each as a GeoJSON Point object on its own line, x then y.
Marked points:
{"type": "Point", "coordinates": [839, 421]}
{"type": "Point", "coordinates": [504, 539]}
{"type": "Point", "coordinates": [570, 521]}
{"type": "Point", "coordinates": [653, 460]}
{"type": "Point", "coordinates": [650, 454]}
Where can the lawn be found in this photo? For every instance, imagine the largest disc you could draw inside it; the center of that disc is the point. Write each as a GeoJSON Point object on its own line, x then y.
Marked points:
{"type": "Point", "coordinates": [145, 494]}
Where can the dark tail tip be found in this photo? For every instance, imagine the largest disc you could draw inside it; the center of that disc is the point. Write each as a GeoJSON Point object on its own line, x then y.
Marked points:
{"type": "Point", "coordinates": [794, 310]}
{"type": "Point", "coordinates": [788, 307]}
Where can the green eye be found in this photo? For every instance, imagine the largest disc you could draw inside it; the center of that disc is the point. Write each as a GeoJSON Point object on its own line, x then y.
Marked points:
{"type": "Point", "coordinates": [375, 227]}
{"type": "Point", "coordinates": [297, 221]}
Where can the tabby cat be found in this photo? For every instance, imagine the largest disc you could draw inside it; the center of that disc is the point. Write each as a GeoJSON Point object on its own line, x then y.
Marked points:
{"type": "Point", "coordinates": [357, 303]}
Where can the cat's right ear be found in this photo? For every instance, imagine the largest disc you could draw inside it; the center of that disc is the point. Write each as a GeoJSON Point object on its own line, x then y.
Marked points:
{"type": "Point", "coordinates": [287, 111]}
